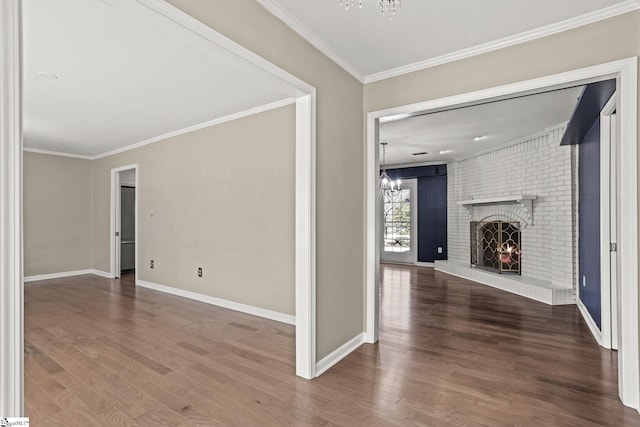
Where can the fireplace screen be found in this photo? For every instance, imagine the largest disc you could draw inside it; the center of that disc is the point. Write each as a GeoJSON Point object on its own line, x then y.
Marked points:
{"type": "Point", "coordinates": [496, 246]}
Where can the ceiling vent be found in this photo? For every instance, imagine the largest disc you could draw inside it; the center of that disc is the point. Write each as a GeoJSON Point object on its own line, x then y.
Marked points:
{"type": "Point", "coordinates": [420, 153]}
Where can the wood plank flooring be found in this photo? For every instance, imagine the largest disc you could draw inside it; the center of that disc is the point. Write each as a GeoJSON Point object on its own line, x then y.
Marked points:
{"type": "Point", "coordinates": [102, 352]}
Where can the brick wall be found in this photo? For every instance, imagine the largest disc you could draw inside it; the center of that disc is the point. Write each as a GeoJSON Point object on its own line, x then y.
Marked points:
{"type": "Point", "coordinates": [537, 165]}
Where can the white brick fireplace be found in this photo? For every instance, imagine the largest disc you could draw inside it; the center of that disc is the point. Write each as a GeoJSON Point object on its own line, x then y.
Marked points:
{"type": "Point", "coordinates": [532, 181]}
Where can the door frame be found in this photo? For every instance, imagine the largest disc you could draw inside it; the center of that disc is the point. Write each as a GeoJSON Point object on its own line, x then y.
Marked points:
{"type": "Point", "coordinates": [626, 74]}
{"type": "Point", "coordinates": [115, 214]}
{"type": "Point", "coordinates": [11, 266]}
{"type": "Point", "coordinates": [413, 188]}
{"type": "Point", "coordinates": [608, 315]}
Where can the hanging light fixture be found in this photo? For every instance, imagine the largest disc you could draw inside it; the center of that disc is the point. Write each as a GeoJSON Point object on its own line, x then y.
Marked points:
{"type": "Point", "coordinates": [387, 7]}
{"type": "Point", "coordinates": [386, 183]}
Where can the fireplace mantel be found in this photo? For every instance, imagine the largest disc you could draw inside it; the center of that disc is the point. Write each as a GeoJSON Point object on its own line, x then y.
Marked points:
{"type": "Point", "coordinates": [525, 201]}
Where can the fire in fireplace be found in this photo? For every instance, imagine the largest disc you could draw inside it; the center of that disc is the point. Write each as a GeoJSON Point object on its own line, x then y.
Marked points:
{"type": "Point", "coordinates": [496, 246]}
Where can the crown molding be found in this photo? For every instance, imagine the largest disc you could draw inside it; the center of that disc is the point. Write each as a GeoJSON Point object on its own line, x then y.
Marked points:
{"type": "Point", "coordinates": [214, 122]}
{"type": "Point", "coordinates": [569, 24]}
{"type": "Point", "coordinates": [297, 26]}
{"type": "Point", "coordinates": [56, 153]}
{"type": "Point", "coordinates": [230, 117]}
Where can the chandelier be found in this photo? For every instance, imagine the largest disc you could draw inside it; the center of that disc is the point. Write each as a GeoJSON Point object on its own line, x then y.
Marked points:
{"type": "Point", "coordinates": [387, 7]}
{"type": "Point", "coordinates": [386, 183]}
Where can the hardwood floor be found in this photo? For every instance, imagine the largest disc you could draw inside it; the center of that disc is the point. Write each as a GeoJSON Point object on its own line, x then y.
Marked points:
{"type": "Point", "coordinates": [102, 352]}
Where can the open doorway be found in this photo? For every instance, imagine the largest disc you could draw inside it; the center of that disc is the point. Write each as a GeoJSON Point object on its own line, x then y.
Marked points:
{"type": "Point", "coordinates": [124, 220]}
{"type": "Point", "coordinates": [625, 74]}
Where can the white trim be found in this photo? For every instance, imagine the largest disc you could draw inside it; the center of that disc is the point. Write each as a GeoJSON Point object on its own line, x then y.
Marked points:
{"type": "Point", "coordinates": [625, 71]}
{"type": "Point", "coordinates": [589, 321]}
{"type": "Point", "coordinates": [628, 354]}
{"type": "Point", "coordinates": [59, 275]}
{"type": "Point", "coordinates": [569, 24]}
{"type": "Point", "coordinates": [101, 273]}
{"type": "Point", "coordinates": [605, 221]}
{"type": "Point", "coordinates": [56, 153]}
{"type": "Point", "coordinates": [339, 353]}
{"type": "Point", "coordinates": [219, 302]}
{"type": "Point", "coordinates": [297, 26]}
{"type": "Point", "coordinates": [372, 219]}
{"type": "Point", "coordinates": [305, 243]}
{"type": "Point", "coordinates": [214, 122]}
{"type": "Point", "coordinates": [11, 267]}
{"type": "Point", "coordinates": [426, 264]}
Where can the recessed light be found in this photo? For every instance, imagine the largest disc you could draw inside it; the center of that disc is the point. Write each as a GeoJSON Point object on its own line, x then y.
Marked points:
{"type": "Point", "coordinates": [46, 75]}
{"type": "Point", "coordinates": [480, 138]}
{"type": "Point", "coordinates": [445, 151]}
{"type": "Point", "coordinates": [421, 153]}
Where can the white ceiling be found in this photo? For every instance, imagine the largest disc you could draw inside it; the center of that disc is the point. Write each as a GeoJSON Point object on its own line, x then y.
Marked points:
{"type": "Point", "coordinates": [499, 123]}
{"type": "Point", "coordinates": [123, 80]}
{"type": "Point", "coordinates": [126, 78]}
{"type": "Point", "coordinates": [430, 31]}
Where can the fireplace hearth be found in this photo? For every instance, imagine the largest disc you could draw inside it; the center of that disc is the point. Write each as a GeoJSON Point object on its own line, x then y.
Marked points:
{"type": "Point", "coordinates": [496, 246]}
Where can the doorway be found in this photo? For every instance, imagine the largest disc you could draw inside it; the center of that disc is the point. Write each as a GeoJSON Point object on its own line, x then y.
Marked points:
{"type": "Point", "coordinates": [124, 220]}
{"type": "Point", "coordinates": [625, 73]}
{"type": "Point", "coordinates": [399, 224]}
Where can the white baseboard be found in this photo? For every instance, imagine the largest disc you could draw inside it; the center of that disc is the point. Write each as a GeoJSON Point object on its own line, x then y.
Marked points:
{"type": "Point", "coordinates": [339, 353]}
{"type": "Point", "coordinates": [243, 308]}
{"type": "Point", "coordinates": [102, 274]}
{"type": "Point", "coordinates": [425, 264]}
{"type": "Point", "coordinates": [597, 334]}
{"type": "Point", "coordinates": [56, 275]}
{"type": "Point", "coordinates": [67, 274]}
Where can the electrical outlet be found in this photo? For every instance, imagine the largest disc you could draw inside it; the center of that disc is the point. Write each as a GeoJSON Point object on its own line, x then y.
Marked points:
{"type": "Point", "coordinates": [151, 264]}
{"type": "Point", "coordinates": [439, 249]}
{"type": "Point", "coordinates": [199, 271]}
{"type": "Point", "coordinates": [584, 281]}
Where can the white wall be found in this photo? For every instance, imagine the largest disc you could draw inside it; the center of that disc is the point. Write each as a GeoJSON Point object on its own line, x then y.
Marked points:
{"type": "Point", "coordinates": [539, 166]}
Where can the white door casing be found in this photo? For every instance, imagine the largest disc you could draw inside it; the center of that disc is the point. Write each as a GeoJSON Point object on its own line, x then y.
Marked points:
{"type": "Point", "coordinates": [11, 266]}
{"type": "Point", "coordinates": [608, 218]}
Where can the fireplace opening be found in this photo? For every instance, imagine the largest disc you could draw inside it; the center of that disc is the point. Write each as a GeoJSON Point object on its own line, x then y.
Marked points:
{"type": "Point", "coordinates": [496, 246]}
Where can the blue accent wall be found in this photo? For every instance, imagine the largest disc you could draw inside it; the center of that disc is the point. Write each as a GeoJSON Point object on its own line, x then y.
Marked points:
{"type": "Point", "coordinates": [432, 208]}
{"type": "Point", "coordinates": [589, 221]}
{"type": "Point", "coordinates": [593, 99]}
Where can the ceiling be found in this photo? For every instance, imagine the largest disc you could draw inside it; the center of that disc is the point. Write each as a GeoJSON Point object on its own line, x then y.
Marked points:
{"type": "Point", "coordinates": [428, 32]}
{"type": "Point", "coordinates": [122, 80]}
{"type": "Point", "coordinates": [454, 131]}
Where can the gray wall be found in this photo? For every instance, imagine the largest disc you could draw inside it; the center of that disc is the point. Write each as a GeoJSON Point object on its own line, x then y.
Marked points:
{"type": "Point", "coordinates": [57, 214]}
{"type": "Point", "coordinates": [220, 198]}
